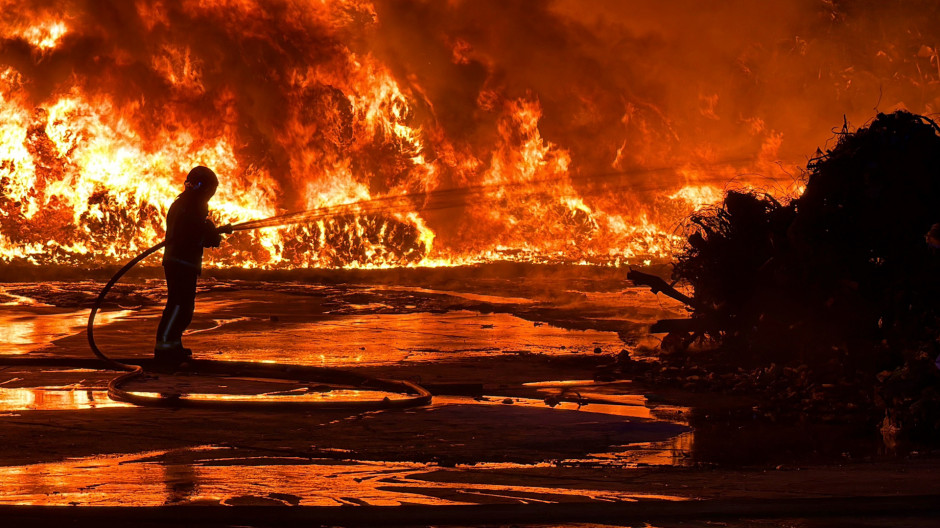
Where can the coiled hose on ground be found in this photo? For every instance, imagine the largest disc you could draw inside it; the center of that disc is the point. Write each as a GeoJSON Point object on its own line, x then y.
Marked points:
{"type": "Point", "coordinates": [417, 394]}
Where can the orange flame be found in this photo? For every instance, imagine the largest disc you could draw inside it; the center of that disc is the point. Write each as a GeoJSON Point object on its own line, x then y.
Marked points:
{"type": "Point", "coordinates": [306, 105]}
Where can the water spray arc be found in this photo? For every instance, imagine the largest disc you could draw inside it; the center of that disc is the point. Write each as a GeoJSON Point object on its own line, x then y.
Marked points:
{"type": "Point", "coordinates": [440, 199]}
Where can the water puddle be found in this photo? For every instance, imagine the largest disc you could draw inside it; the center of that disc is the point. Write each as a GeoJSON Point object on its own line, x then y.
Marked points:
{"type": "Point", "coordinates": [77, 396]}
{"type": "Point", "coordinates": [626, 411]}
{"type": "Point", "coordinates": [210, 475]}
{"type": "Point", "coordinates": [23, 331]}
{"type": "Point", "coordinates": [55, 399]}
{"type": "Point", "coordinates": [382, 339]}
{"type": "Point", "coordinates": [491, 299]}
{"type": "Point", "coordinates": [293, 396]}
{"type": "Point", "coordinates": [210, 388]}
{"type": "Point", "coordinates": [675, 452]}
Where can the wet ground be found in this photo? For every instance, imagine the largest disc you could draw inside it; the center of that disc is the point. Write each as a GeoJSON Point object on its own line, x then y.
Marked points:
{"type": "Point", "coordinates": [517, 419]}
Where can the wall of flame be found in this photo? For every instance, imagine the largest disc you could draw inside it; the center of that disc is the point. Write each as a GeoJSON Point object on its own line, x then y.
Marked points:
{"type": "Point", "coordinates": [593, 128]}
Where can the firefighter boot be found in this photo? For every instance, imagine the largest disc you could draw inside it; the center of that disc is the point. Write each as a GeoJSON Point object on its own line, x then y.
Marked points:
{"type": "Point", "coordinates": [169, 346]}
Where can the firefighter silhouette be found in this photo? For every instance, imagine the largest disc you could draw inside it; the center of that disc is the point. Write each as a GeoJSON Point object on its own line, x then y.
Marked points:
{"type": "Point", "coordinates": [188, 231]}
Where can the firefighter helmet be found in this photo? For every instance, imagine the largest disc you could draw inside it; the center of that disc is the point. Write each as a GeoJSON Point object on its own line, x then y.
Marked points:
{"type": "Point", "coordinates": [202, 179]}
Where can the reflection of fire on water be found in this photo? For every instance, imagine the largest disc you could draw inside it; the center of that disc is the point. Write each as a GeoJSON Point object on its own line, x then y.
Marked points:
{"type": "Point", "coordinates": [55, 399]}
{"type": "Point", "coordinates": [196, 475]}
{"type": "Point", "coordinates": [610, 125]}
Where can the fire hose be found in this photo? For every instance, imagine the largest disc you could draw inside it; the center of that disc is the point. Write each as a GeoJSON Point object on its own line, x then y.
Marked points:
{"type": "Point", "coordinates": [431, 200]}
{"type": "Point", "coordinates": [417, 395]}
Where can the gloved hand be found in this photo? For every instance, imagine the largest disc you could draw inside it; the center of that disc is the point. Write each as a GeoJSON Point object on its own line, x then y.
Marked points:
{"type": "Point", "coordinates": [212, 237]}
{"type": "Point", "coordinates": [227, 229]}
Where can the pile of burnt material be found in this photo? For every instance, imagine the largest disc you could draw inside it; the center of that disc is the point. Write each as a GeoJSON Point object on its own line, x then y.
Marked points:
{"type": "Point", "coordinates": [842, 283]}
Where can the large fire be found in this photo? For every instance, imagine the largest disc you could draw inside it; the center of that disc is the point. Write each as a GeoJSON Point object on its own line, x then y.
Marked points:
{"type": "Point", "coordinates": [562, 131]}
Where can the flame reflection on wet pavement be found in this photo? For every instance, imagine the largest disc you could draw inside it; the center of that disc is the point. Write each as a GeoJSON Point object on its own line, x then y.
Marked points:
{"type": "Point", "coordinates": [24, 330]}
{"type": "Point", "coordinates": [55, 399]}
{"type": "Point", "coordinates": [381, 339]}
{"type": "Point", "coordinates": [212, 475]}
{"type": "Point", "coordinates": [244, 324]}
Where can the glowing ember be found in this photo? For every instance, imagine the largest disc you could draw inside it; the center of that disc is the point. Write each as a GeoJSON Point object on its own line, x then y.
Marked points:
{"type": "Point", "coordinates": [580, 132]}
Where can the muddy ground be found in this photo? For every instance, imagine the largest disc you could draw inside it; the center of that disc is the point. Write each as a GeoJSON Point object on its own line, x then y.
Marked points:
{"type": "Point", "coordinates": [523, 412]}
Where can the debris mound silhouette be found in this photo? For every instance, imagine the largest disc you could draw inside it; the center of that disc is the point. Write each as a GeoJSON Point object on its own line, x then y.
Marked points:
{"type": "Point", "coordinates": [844, 280]}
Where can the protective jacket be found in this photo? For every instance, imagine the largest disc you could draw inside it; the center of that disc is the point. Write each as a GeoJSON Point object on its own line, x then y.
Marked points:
{"type": "Point", "coordinates": [188, 231]}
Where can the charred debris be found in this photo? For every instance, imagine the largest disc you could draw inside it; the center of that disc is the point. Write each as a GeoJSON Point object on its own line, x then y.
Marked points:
{"type": "Point", "coordinates": [828, 307]}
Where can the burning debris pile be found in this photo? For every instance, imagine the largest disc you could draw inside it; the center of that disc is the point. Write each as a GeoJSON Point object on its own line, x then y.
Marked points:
{"type": "Point", "coordinates": [585, 130]}
{"type": "Point", "coordinates": [298, 106]}
{"type": "Point", "coordinates": [835, 290]}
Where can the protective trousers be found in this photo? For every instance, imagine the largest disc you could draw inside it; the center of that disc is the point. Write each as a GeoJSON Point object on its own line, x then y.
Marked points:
{"type": "Point", "coordinates": [180, 304]}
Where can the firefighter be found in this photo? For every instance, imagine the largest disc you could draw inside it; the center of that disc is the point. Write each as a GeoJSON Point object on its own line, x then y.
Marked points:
{"type": "Point", "coordinates": [188, 231]}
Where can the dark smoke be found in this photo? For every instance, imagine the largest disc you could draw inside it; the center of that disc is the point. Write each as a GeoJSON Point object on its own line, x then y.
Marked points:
{"type": "Point", "coordinates": [668, 80]}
